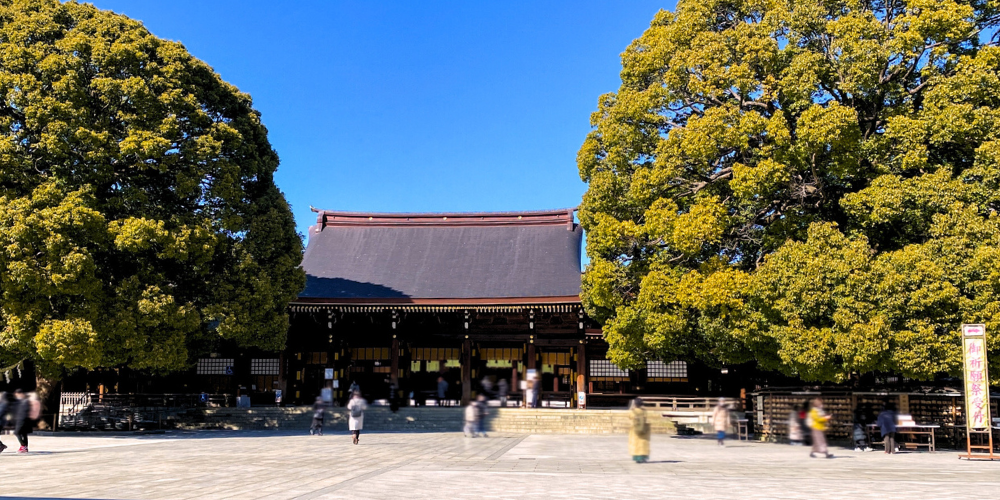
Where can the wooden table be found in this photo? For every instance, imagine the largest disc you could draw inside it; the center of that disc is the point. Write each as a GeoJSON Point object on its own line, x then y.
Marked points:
{"type": "Point", "coordinates": [910, 430]}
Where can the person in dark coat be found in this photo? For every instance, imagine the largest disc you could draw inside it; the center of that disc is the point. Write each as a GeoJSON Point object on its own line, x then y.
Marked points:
{"type": "Point", "coordinates": [887, 425]}
{"type": "Point", "coordinates": [502, 388]}
{"type": "Point", "coordinates": [806, 435]}
{"type": "Point", "coordinates": [22, 424]}
{"type": "Point", "coordinates": [481, 412]}
{"type": "Point", "coordinates": [442, 391]}
{"type": "Point", "coordinates": [4, 405]}
{"type": "Point", "coordinates": [393, 398]}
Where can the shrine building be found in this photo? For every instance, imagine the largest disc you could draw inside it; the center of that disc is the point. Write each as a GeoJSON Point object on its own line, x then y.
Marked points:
{"type": "Point", "coordinates": [398, 299]}
{"type": "Point", "coordinates": [406, 298]}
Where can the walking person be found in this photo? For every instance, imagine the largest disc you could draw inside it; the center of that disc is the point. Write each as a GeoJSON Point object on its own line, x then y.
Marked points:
{"type": "Point", "coordinates": [481, 412]}
{"type": "Point", "coordinates": [442, 391]}
{"type": "Point", "coordinates": [818, 421]}
{"type": "Point", "coordinates": [4, 406]}
{"type": "Point", "coordinates": [887, 426]}
{"type": "Point", "coordinates": [487, 386]}
{"type": "Point", "coordinates": [356, 419]}
{"type": "Point", "coordinates": [319, 413]}
{"type": "Point", "coordinates": [638, 434]}
{"type": "Point", "coordinates": [720, 420]}
{"type": "Point", "coordinates": [529, 394]}
{"type": "Point", "coordinates": [803, 428]}
{"type": "Point", "coordinates": [470, 415]}
{"type": "Point", "coordinates": [502, 388]}
{"type": "Point", "coordinates": [24, 414]}
{"type": "Point", "coordinates": [393, 397]}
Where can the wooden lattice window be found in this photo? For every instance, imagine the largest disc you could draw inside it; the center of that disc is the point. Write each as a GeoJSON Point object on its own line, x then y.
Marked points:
{"type": "Point", "coordinates": [605, 370]}
{"type": "Point", "coordinates": [674, 371]}
{"type": "Point", "coordinates": [215, 366]}
{"type": "Point", "coordinates": [268, 366]}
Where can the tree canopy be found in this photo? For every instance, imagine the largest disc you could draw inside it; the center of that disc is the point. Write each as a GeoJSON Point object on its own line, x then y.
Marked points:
{"type": "Point", "coordinates": [138, 211]}
{"type": "Point", "coordinates": [812, 185]}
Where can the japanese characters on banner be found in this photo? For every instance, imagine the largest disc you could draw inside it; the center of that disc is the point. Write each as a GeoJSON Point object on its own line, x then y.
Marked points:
{"type": "Point", "coordinates": [977, 390]}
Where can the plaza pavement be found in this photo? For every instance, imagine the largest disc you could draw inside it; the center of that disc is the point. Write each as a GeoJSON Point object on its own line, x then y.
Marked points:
{"type": "Point", "coordinates": [219, 464]}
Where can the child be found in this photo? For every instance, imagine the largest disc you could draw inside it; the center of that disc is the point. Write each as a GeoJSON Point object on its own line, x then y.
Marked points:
{"type": "Point", "coordinates": [860, 436]}
{"type": "Point", "coordinates": [319, 413]}
{"type": "Point", "coordinates": [794, 428]}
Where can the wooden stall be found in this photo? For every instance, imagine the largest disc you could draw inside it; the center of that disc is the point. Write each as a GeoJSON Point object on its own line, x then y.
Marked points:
{"type": "Point", "coordinates": [942, 408]}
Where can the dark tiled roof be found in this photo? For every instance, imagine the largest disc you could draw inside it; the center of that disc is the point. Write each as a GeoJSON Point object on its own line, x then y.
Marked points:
{"type": "Point", "coordinates": [443, 256]}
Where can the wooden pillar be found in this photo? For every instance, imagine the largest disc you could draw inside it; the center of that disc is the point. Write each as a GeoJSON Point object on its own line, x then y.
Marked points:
{"type": "Point", "coordinates": [282, 379]}
{"type": "Point", "coordinates": [581, 368]}
{"type": "Point", "coordinates": [466, 371]}
{"type": "Point", "coordinates": [394, 356]}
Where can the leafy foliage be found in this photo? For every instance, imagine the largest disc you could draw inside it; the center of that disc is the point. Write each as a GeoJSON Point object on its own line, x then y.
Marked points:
{"type": "Point", "coordinates": [811, 185]}
{"type": "Point", "coordinates": [138, 211]}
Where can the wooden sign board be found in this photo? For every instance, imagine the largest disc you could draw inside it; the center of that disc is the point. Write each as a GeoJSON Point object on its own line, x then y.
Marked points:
{"type": "Point", "coordinates": [977, 392]}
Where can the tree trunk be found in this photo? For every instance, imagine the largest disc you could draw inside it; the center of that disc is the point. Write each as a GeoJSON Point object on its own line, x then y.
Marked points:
{"type": "Point", "coordinates": [47, 388]}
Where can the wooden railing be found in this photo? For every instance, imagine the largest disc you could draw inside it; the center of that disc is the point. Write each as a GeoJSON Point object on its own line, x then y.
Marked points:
{"type": "Point", "coordinates": [79, 410]}
{"type": "Point", "coordinates": [71, 404]}
{"type": "Point", "coordinates": [684, 403]}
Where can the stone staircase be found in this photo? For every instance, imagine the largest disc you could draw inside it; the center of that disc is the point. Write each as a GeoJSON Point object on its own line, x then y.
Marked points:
{"type": "Point", "coordinates": [513, 420]}
{"type": "Point", "coordinates": [558, 421]}
{"type": "Point", "coordinates": [259, 418]}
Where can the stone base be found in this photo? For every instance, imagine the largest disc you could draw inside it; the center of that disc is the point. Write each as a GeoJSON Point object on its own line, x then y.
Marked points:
{"type": "Point", "coordinates": [513, 420]}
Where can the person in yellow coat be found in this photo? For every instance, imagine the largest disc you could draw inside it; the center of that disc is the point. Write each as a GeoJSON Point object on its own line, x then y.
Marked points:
{"type": "Point", "coordinates": [638, 434]}
{"type": "Point", "coordinates": [818, 420]}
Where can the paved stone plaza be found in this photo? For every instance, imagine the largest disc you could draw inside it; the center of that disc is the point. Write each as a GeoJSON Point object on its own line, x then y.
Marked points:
{"type": "Point", "coordinates": [219, 464]}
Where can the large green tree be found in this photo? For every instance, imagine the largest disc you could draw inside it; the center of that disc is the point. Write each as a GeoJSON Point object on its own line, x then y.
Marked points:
{"type": "Point", "coordinates": [810, 184]}
{"type": "Point", "coordinates": [138, 211]}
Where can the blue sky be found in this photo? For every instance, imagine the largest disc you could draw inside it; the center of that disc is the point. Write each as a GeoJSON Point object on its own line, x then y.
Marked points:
{"type": "Point", "coordinates": [420, 106]}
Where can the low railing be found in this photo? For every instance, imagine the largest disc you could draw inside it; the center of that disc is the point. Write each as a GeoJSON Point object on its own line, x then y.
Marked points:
{"type": "Point", "coordinates": [683, 403]}
{"type": "Point", "coordinates": [164, 400]}
{"type": "Point", "coordinates": [90, 411]}
{"type": "Point", "coordinates": [71, 404]}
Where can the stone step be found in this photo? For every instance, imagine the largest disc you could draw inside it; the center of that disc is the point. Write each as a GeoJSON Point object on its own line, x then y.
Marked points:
{"type": "Point", "coordinates": [517, 420]}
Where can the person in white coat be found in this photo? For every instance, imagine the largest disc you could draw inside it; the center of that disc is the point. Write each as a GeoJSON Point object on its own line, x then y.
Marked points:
{"type": "Point", "coordinates": [356, 411]}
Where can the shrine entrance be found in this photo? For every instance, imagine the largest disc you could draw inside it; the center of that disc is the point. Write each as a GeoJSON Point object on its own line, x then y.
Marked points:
{"type": "Point", "coordinates": [557, 374]}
